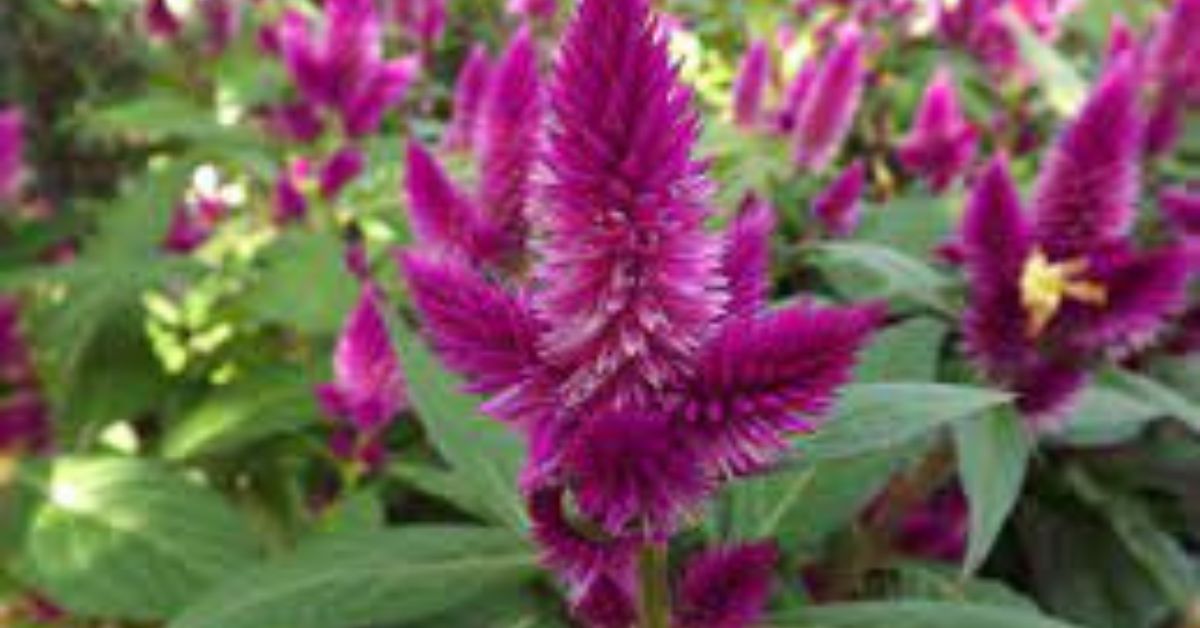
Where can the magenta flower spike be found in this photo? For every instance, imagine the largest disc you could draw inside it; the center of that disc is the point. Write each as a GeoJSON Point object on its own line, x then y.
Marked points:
{"type": "Point", "coordinates": [342, 168]}
{"type": "Point", "coordinates": [830, 105]}
{"type": "Point", "coordinates": [938, 528]}
{"type": "Point", "coordinates": [794, 98]}
{"type": "Point", "coordinates": [540, 9]}
{"type": "Point", "coordinates": [424, 20]}
{"type": "Point", "coordinates": [726, 587]}
{"type": "Point", "coordinates": [1121, 38]}
{"type": "Point", "coordinates": [1182, 209]}
{"type": "Point", "coordinates": [1174, 53]}
{"type": "Point", "coordinates": [444, 218]}
{"type": "Point", "coordinates": [639, 361]}
{"type": "Point", "coordinates": [303, 58]}
{"type": "Point", "coordinates": [352, 48]}
{"type": "Point", "coordinates": [469, 92]}
{"type": "Point", "coordinates": [1164, 127]}
{"type": "Point", "coordinates": [12, 148]}
{"type": "Point", "coordinates": [222, 21]}
{"type": "Point", "coordinates": [368, 386]}
{"type": "Point", "coordinates": [1042, 313]}
{"type": "Point", "coordinates": [289, 202]}
{"type": "Point", "coordinates": [746, 258]}
{"type": "Point", "coordinates": [187, 230]}
{"type": "Point", "coordinates": [839, 207]}
{"type": "Point", "coordinates": [941, 144]}
{"type": "Point", "coordinates": [387, 86]}
{"type": "Point", "coordinates": [1086, 193]}
{"type": "Point", "coordinates": [159, 20]}
{"type": "Point", "coordinates": [751, 84]}
{"type": "Point", "coordinates": [507, 137]}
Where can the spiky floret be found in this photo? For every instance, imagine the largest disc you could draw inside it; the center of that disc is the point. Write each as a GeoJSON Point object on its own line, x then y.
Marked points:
{"type": "Point", "coordinates": [631, 281]}
{"type": "Point", "coordinates": [839, 206]}
{"type": "Point", "coordinates": [941, 143]}
{"type": "Point", "coordinates": [508, 136]}
{"type": "Point", "coordinates": [1086, 193]}
{"type": "Point", "coordinates": [469, 91]}
{"type": "Point", "coordinates": [751, 83]}
{"type": "Point", "coordinates": [726, 587]}
{"type": "Point", "coordinates": [831, 102]}
{"type": "Point", "coordinates": [747, 257]}
{"type": "Point", "coordinates": [443, 216]}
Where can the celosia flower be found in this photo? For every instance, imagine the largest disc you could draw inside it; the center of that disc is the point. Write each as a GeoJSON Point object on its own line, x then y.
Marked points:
{"type": "Point", "coordinates": [12, 146]}
{"type": "Point", "coordinates": [444, 217]}
{"type": "Point", "coordinates": [1182, 208]}
{"type": "Point", "coordinates": [941, 143]}
{"type": "Point", "coordinates": [339, 170]}
{"type": "Point", "coordinates": [830, 104]}
{"type": "Point", "coordinates": [469, 91]}
{"type": "Point", "coordinates": [726, 587]}
{"type": "Point", "coordinates": [192, 223]}
{"type": "Point", "coordinates": [1174, 55]}
{"type": "Point", "coordinates": [342, 67]}
{"type": "Point", "coordinates": [751, 84]}
{"type": "Point", "coordinates": [160, 20]}
{"type": "Point", "coordinates": [1165, 126]}
{"type": "Point", "coordinates": [300, 122]}
{"type": "Point", "coordinates": [424, 20]}
{"type": "Point", "coordinates": [368, 388]}
{"type": "Point", "coordinates": [1054, 292]}
{"type": "Point", "coordinates": [937, 529]}
{"type": "Point", "coordinates": [543, 9]}
{"type": "Point", "coordinates": [290, 203]}
{"type": "Point", "coordinates": [638, 362]}
{"type": "Point", "coordinates": [839, 207]}
{"type": "Point", "coordinates": [507, 137]}
{"type": "Point", "coordinates": [1121, 38]}
{"type": "Point", "coordinates": [222, 20]}
{"type": "Point", "coordinates": [794, 97]}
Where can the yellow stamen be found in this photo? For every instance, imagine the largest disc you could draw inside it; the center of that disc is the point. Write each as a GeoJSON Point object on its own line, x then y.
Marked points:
{"type": "Point", "coordinates": [1045, 285]}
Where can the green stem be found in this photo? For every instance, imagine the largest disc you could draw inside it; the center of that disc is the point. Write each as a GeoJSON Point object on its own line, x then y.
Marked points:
{"type": "Point", "coordinates": [655, 611]}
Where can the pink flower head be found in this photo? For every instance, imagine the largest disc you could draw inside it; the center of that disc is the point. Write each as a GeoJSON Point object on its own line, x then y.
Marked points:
{"type": "Point", "coordinates": [541, 9]}
{"type": "Point", "coordinates": [1182, 208]}
{"type": "Point", "coordinates": [339, 170]}
{"type": "Point", "coordinates": [726, 587]}
{"type": "Point", "coordinates": [1049, 298]}
{"type": "Point", "coordinates": [508, 135]}
{"type": "Point", "coordinates": [222, 21]}
{"type": "Point", "coordinates": [368, 388]}
{"type": "Point", "coordinates": [290, 203]}
{"type": "Point", "coordinates": [830, 105]}
{"type": "Point", "coordinates": [751, 84]}
{"type": "Point", "coordinates": [941, 144]}
{"type": "Point", "coordinates": [444, 217]}
{"type": "Point", "coordinates": [12, 147]}
{"type": "Point", "coordinates": [638, 360]}
{"type": "Point", "coordinates": [839, 207]}
{"type": "Point", "coordinates": [1174, 54]}
{"type": "Point", "coordinates": [469, 92]}
{"type": "Point", "coordinates": [159, 20]}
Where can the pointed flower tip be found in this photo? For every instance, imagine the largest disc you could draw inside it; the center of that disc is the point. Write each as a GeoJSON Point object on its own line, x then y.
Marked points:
{"type": "Point", "coordinates": [368, 388]}
{"type": "Point", "coordinates": [726, 586]}
{"type": "Point", "coordinates": [839, 207]}
{"type": "Point", "coordinates": [1182, 208]}
{"type": "Point", "coordinates": [831, 103]}
{"type": "Point", "coordinates": [751, 82]}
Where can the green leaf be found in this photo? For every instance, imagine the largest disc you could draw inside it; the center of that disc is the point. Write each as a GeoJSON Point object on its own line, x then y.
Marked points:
{"type": "Point", "coordinates": [484, 455]}
{"type": "Point", "coordinates": [1105, 416]}
{"type": "Point", "coordinates": [993, 453]}
{"type": "Point", "coordinates": [261, 405]}
{"type": "Point", "coordinates": [916, 615]}
{"type": "Point", "coordinates": [396, 576]}
{"type": "Point", "coordinates": [908, 352]}
{"type": "Point", "coordinates": [121, 538]}
{"type": "Point", "coordinates": [915, 224]}
{"type": "Point", "coordinates": [802, 506]}
{"type": "Point", "coordinates": [1157, 394]}
{"type": "Point", "coordinates": [874, 417]}
{"type": "Point", "coordinates": [1062, 85]}
{"type": "Point", "coordinates": [944, 583]}
{"type": "Point", "coordinates": [861, 270]}
{"type": "Point", "coordinates": [304, 284]}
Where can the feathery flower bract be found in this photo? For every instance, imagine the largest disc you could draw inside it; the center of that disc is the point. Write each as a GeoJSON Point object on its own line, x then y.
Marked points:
{"type": "Point", "coordinates": [726, 587]}
{"type": "Point", "coordinates": [339, 170]}
{"type": "Point", "coordinates": [831, 102]}
{"type": "Point", "coordinates": [159, 20]}
{"type": "Point", "coordinates": [839, 207]}
{"type": "Point", "coordinates": [751, 83]}
{"type": "Point", "coordinates": [941, 144]}
{"type": "Point", "coordinates": [469, 90]}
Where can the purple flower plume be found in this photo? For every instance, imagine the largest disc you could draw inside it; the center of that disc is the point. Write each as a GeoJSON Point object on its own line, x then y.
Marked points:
{"type": "Point", "coordinates": [747, 257]}
{"type": "Point", "coordinates": [544, 9]}
{"type": "Point", "coordinates": [830, 105]}
{"type": "Point", "coordinates": [630, 275]}
{"type": "Point", "coordinates": [1174, 55]}
{"type": "Point", "coordinates": [941, 143]}
{"type": "Point", "coordinates": [726, 587]}
{"type": "Point", "coordinates": [1036, 320]}
{"type": "Point", "coordinates": [12, 146]}
{"type": "Point", "coordinates": [1181, 206]}
{"type": "Point", "coordinates": [443, 216]}
{"type": "Point", "coordinates": [751, 83]}
{"type": "Point", "coordinates": [839, 207]}
{"type": "Point", "coordinates": [159, 20]}
{"type": "Point", "coordinates": [368, 388]}
{"type": "Point", "coordinates": [339, 170]}
{"type": "Point", "coordinates": [637, 360]}
{"type": "Point", "coordinates": [1088, 185]}
{"type": "Point", "coordinates": [469, 91]}
{"type": "Point", "coordinates": [507, 136]}
{"type": "Point", "coordinates": [222, 21]}
{"type": "Point", "coordinates": [387, 86]}
{"type": "Point", "coordinates": [794, 98]}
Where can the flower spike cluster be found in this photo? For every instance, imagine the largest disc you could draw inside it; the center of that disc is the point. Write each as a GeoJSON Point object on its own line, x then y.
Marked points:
{"type": "Point", "coordinates": [469, 90]}
{"type": "Point", "coordinates": [829, 106]}
{"type": "Point", "coordinates": [640, 363]}
{"type": "Point", "coordinates": [941, 144]}
{"type": "Point", "coordinates": [1055, 291]}
{"type": "Point", "coordinates": [751, 84]}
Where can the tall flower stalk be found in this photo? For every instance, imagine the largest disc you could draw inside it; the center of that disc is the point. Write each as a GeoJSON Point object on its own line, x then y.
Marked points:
{"type": "Point", "coordinates": [641, 361]}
